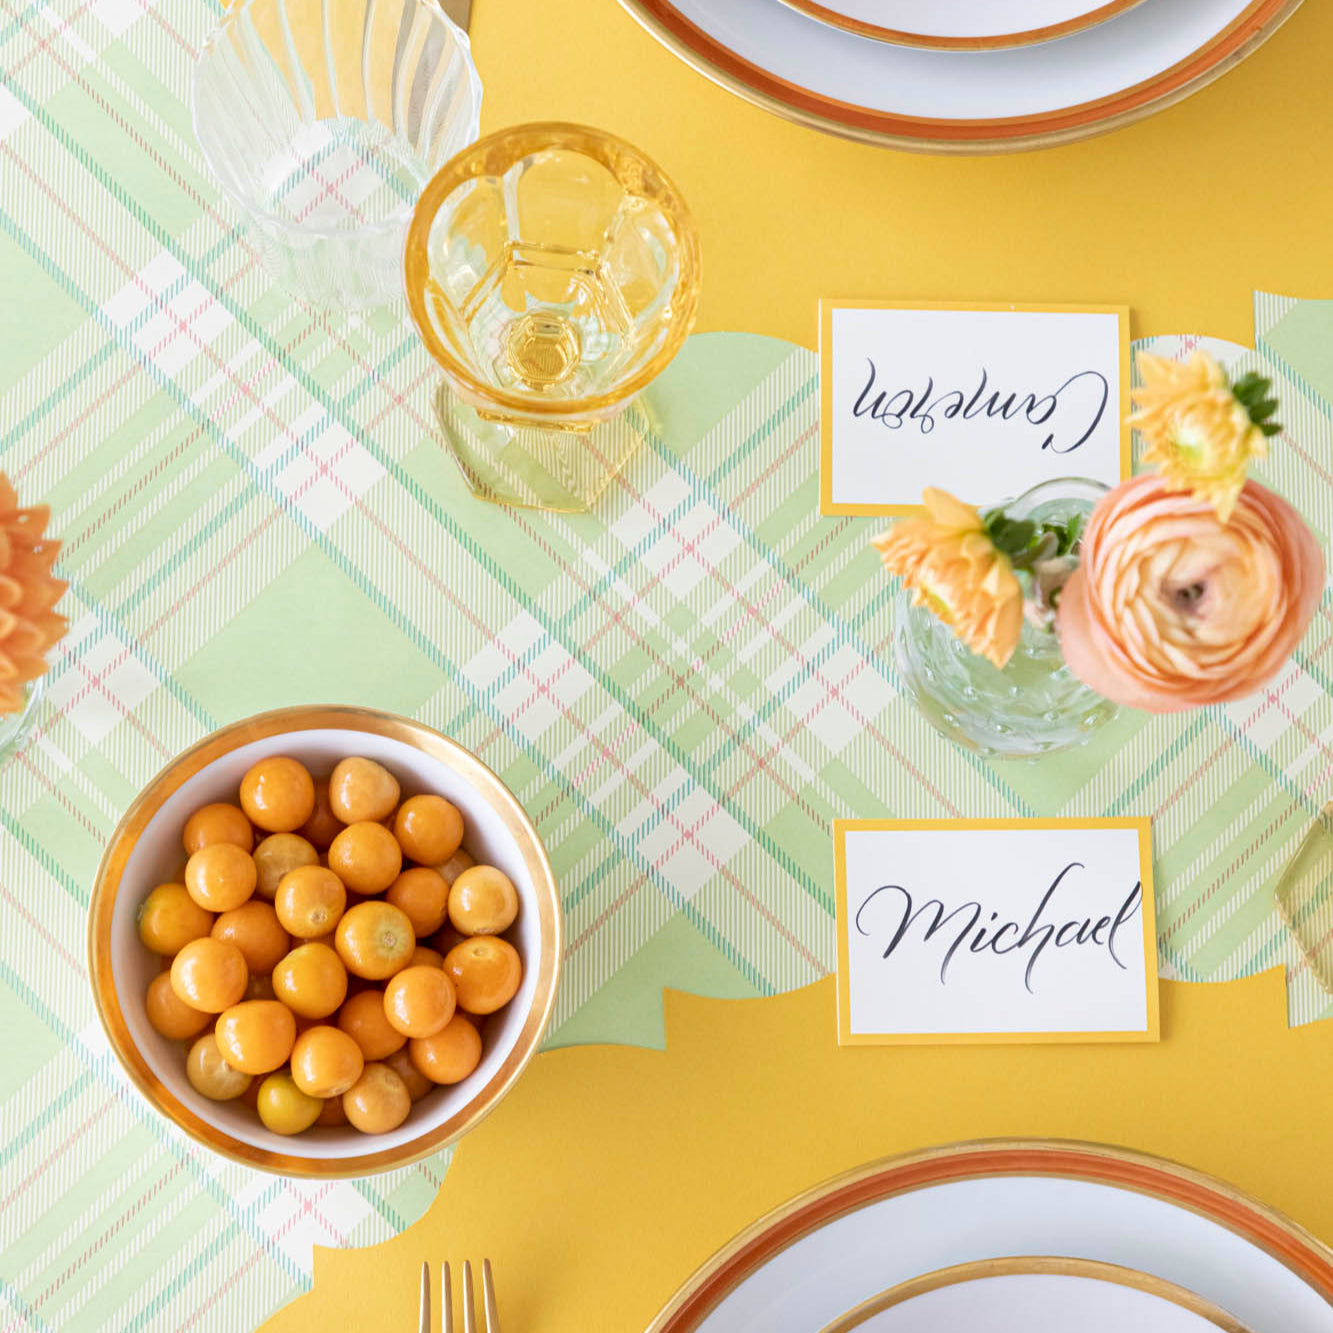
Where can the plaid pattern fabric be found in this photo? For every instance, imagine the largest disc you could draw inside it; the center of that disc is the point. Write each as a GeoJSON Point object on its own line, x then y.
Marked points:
{"type": "Point", "coordinates": [683, 688]}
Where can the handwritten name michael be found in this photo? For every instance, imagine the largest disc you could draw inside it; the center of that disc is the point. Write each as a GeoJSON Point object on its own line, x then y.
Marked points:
{"type": "Point", "coordinates": [1082, 400]}
{"type": "Point", "coordinates": [995, 936]}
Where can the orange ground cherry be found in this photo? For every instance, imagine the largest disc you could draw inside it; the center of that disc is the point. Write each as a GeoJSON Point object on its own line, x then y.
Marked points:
{"type": "Point", "coordinates": [482, 901]}
{"type": "Point", "coordinates": [362, 1017]}
{"type": "Point", "coordinates": [375, 939]}
{"type": "Point", "coordinates": [210, 1075]}
{"type": "Point", "coordinates": [169, 919]}
{"type": "Point", "coordinates": [486, 973]}
{"type": "Point", "coordinates": [218, 822]}
{"type": "Point", "coordinates": [451, 1054]}
{"type": "Point", "coordinates": [366, 857]}
{"type": "Point", "coordinates": [169, 1014]}
{"type": "Point", "coordinates": [378, 1101]}
{"type": "Point", "coordinates": [256, 1036]}
{"type": "Point", "coordinates": [255, 930]}
{"type": "Point", "coordinates": [326, 1061]}
{"type": "Point", "coordinates": [284, 1108]}
{"type": "Point", "coordinates": [311, 981]}
{"type": "Point", "coordinates": [220, 876]}
{"type": "Point", "coordinates": [428, 828]}
{"type": "Point", "coordinates": [278, 794]}
{"type": "Point", "coordinates": [362, 789]}
{"type": "Point", "coordinates": [209, 974]}
{"type": "Point", "coordinates": [419, 1001]}
{"type": "Point", "coordinates": [423, 895]}
{"type": "Point", "coordinates": [309, 901]}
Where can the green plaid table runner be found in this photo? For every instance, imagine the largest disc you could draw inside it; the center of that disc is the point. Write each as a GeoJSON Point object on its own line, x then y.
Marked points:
{"type": "Point", "coordinates": [683, 689]}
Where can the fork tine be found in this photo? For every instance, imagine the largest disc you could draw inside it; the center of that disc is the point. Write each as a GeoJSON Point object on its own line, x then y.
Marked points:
{"type": "Point", "coordinates": [488, 1293]}
{"type": "Point", "coordinates": [469, 1311]}
{"type": "Point", "coordinates": [424, 1319]}
{"type": "Point", "coordinates": [447, 1303]}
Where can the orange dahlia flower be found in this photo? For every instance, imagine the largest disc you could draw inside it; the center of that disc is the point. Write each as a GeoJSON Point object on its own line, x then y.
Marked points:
{"type": "Point", "coordinates": [953, 568]}
{"type": "Point", "coordinates": [28, 594]}
{"type": "Point", "coordinates": [1195, 428]}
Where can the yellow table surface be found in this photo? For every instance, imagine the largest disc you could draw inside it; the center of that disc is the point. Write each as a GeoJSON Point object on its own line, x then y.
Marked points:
{"type": "Point", "coordinates": [1181, 216]}
{"type": "Point", "coordinates": [610, 1173]}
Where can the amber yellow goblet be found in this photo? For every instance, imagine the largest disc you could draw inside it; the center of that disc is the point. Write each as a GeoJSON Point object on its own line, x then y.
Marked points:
{"type": "Point", "coordinates": [553, 272]}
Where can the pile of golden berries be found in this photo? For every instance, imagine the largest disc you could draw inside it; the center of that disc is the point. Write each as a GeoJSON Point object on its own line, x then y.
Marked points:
{"type": "Point", "coordinates": [298, 971]}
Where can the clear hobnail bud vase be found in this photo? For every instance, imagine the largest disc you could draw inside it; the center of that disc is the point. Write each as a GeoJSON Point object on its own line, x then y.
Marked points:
{"type": "Point", "coordinates": [323, 120]}
{"type": "Point", "coordinates": [1033, 706]}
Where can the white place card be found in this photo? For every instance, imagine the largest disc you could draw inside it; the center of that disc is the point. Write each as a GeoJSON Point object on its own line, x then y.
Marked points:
{"type": "Point", "coordinates": [981, 400]}
{"type": "Point", "coordinates": [1008, 930]}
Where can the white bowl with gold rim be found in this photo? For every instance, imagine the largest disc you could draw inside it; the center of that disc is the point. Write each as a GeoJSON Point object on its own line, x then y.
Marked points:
{"type": "Point", "coordinates": [146, 850]}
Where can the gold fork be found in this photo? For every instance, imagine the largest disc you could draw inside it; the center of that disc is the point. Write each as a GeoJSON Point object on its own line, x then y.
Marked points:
{"type": "Point", "coordinates": [469, 1309]}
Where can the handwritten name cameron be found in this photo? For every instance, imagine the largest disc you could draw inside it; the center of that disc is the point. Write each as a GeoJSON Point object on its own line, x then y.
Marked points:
{"type": "Point", "coordinates": [896, 914]}
{"type": "Point", "coordinates": [1081, 402]}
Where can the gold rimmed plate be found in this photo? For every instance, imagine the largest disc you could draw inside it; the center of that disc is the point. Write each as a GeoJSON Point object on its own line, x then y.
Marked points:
{"type": "Point", "coordinates": [146, 850]}
{"type": "Point", "coordinates": [846, 1242]}
{"type": "Point", "coordinates": [963, 25]}
{"type": "Point", "coordinates": [1020, 1294]}
{"type": "Point", "coordinates": [1130, 66]}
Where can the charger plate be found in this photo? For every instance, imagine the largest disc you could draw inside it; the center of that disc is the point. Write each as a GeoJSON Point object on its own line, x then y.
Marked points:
{"type": "Point", "coordinates": [963, 25]}
{"type": "Point", "coordinates": [840, 1244]}
{"type": "Point", "coordinates": [1031, 1295]}
{"type": "Point", "coordinates": [963, 101]}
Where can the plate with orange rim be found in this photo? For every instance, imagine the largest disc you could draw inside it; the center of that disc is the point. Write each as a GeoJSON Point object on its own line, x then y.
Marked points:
{"type": "Point", "coordinates": [963, 25]}
{"type": "Point", "coordinates": [823, 1259]}
{"type": "Point", "coordinates": [958, 101]}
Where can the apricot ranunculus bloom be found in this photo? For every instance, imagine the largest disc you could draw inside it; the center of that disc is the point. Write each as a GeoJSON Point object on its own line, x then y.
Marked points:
{"type": "Point", "coordinates": [953, 568]}
{"type": "Point", "coordinates": [28, 594]}
{"type": "Point", "coordinates": [1194, 428]}
{"type": "Point", "coordinates": [1171, 608]}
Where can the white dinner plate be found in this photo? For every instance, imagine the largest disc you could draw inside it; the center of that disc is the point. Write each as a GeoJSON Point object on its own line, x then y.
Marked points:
{"type": "Point", "coordinates": [1042, 1294]}
{"type": "Point", "coordinates": [842, 1243]}
{"type": "Point", "coordinates": [963, 101]}
{"type": "Point", "coordinates": [963, 24]}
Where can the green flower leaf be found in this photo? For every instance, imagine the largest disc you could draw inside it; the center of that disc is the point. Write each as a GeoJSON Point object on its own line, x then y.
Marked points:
{"type": "Point", "coordinates": [1012, 536]}
{"type": "Point", "coordinates": [1254, 393]}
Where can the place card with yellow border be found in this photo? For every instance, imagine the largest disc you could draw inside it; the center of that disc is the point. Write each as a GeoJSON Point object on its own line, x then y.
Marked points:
{"type": "Point", "coordinates": [985, 401]}
{"type": "Point", "coordinates": [995, 930]}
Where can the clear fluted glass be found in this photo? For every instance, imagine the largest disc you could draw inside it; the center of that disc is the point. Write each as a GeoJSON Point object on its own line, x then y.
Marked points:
{"type": "Point", "coordinates": [323, 120]}
{"type": "Point", "coordinates": [1033, 706]}
{"type": "Point", "coordinates": [553, 272]}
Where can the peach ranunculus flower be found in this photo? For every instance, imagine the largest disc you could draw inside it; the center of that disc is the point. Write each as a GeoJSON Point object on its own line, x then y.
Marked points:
{"type": "Point", "coordinates": [28, 594]}
{"type": "Point", "coordinates": [954, 569]}
{"type": "Point", "coordinates": [1170, 608]}
{"type": "Point", "coordinates": [1199, 429]}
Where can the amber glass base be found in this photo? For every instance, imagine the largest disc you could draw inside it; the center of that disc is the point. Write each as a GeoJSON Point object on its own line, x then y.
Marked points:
{"type": "Point", "coordinates": [562, 471]}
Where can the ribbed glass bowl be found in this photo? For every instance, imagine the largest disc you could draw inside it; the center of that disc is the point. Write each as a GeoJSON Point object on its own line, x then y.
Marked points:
{"type": "Point", "coordinates": [323, 120]}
